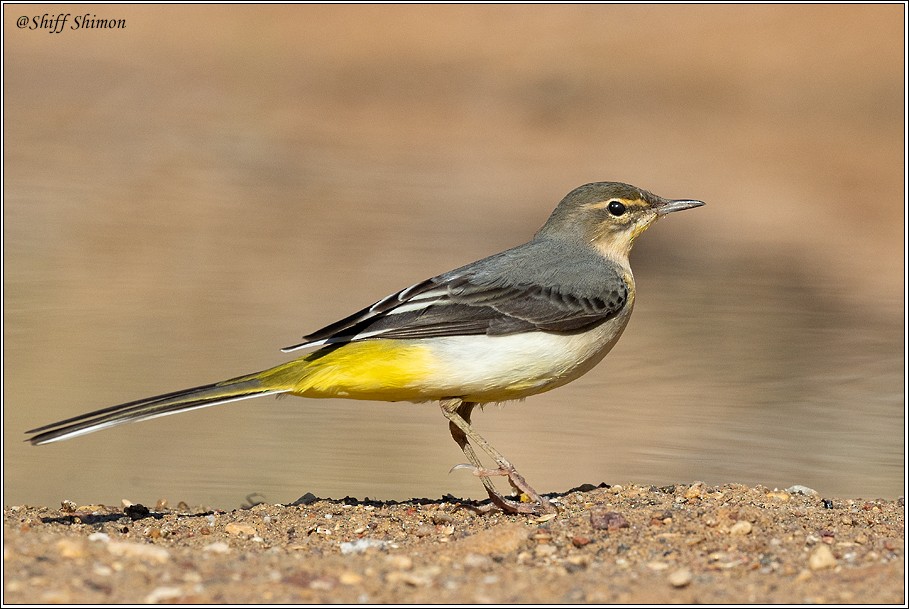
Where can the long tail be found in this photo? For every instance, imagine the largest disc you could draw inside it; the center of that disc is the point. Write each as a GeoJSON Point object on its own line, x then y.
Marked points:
{"type": "Point", "coordinates": [239, 388]}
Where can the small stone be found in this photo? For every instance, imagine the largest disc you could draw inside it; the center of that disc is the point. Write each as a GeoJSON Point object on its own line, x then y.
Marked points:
{"type": "Point", "coordinates": [742, 527]}
{"type": "Point", "coordinates": [152, 532]}
{"type": "Point", "coordinates": [161, 504]}
{"type": "Point", "coordinates": [543, 550]}
{"type": "Point", "coordinates": [218, 547]}
{"type": "Point", "coordinates": [322, 583]}
{"type": "Point", "coordinates": [417, 578]}
{"type": "Point", "coordinates": [361, 545]}
{"type": "Point", "coordinates": [579, 541]}
{"type": "Point", "coordinates": [125, 503]}
{"type": "Point", "coordinates": [680, 578]}
{"type": "Point", "coordinates": [893, 544]}
{"type": "Point", "coordinates": [162, 594]}
{"type": "Point", "coordinates": [68, 506]}
{"type": "Point", "coordinates": [500, 539]}
{"type": "Point", "coordinates": [694, 491]}
{"type": "Point", "coordinates": [238, 529]}
{"type": "Point", "coordinates": [798, 489]}
{"type": "Point", "coordinates": [99, 536]}
{"type": "Point", "coordinates": [70, 548]}
{"type": "Point", "coordinates": [777, 495]}
{"type": "Point", "coordinates": [400, 562]}
{"type": "Point", "coordinates": [578, 560]}
{"type": "Point", "coordinates": [142, 551]}
{"type": "Point", "coordinates": [439, 517]}
{"type": "Point", "coordinates": [136, 511]}
{"type": "Point", "coordinates": [657, 565]}
{"type": "Point", "coordinates": [477, 561]}
{"type": "Point", "coordinates": [424, 530]}
{"type": "Point", "coordinates": [349, 578]}
{"type": "Point", "coordinates": [611, 521]}
{"type": "Point", "coordinates": [56, 597]}
{"type": "Point", "coordinates": [541, 536]}
{"type": "Point", "coordinates": [821, 558]}
{"type": "Point", "coordinates": [306, 499]}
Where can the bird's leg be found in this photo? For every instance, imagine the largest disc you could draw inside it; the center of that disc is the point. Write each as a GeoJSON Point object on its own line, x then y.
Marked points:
{"type": "Point", "coordinates": [458, 414]}
{"type": "Point", "coordinates": [464, 409]}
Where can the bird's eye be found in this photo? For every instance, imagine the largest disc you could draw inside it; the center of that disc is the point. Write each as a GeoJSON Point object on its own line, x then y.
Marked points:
{"type": "Point", "coordinates": [616, 208]}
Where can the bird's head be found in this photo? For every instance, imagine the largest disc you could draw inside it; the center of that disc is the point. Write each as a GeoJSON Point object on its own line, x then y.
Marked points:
{"type": "Point", "coordinates": [609, 216]}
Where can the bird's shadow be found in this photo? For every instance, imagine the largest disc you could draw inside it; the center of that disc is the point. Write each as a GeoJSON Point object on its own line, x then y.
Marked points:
{"type": "Point", "coordinates": [139, 512]}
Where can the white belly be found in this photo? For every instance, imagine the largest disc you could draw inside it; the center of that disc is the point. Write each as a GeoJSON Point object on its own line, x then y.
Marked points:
{"type": "Point", "coordinates": [500, 368]}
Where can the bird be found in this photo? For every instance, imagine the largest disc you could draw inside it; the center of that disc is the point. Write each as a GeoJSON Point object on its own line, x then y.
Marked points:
{"type": "Point", "coordinates": [514, 324]}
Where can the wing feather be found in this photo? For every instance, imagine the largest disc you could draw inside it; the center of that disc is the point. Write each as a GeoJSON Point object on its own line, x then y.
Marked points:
{"type": "Point", "coordinates": [508, 293]}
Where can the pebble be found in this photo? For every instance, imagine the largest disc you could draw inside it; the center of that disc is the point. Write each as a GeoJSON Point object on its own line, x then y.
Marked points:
{"type": "Point", "coordinates": [162, 594]}
{"type": "Point", "coordinates": [680, 578]}
{"type": "Point", "coordinates": [136, 511]}
{"type": "Point", "coordinates": [694, 491]}
{"type": "Point", "coordinates": [500, 539]}
{"type": "Point", "coordinates": [238, 529]}
{"type": "Point", "coordinates": [579, 541]}
{"type": "Point", "coordinates": [798, 489]}
{"type": "Point", "coordinates": [322, 583]}
{"type": "Point", "coordinates": [778, 495]}
{"type": "Point", "coordinates": [99, 536]}
{"type": "Point", "coordinates": [400, 562]}
{"type": "Point", "coordinates": [361, 545]}
{"type": "Point", "coordinates": [349, 578]}
{"type": "Point", "coordinates": [56, 597]}
{"type": "Point", "coordinates": [657, 565]}
{"type": "Point", "coordinates": [578, 560]}
{"type": "Point", "coordinates": [611, 521]}
{"type": "Point", "coordinates": [142, 551]}
{"type": "Point", "coordinates": [68, 506]}
{"type": "Point", "coordinates": [418, 578]}
{"type": "Point", "coordinates": [439, 517]}
{"type": "Point", "coordinates": [543, 550]}
{"type": "Point", "coordinates": [742, 527]}
{"type": "Point", "coordinates": [218, 547]}
{"type": "Point", "coordinates": [821, 558]}
{"type": "Point", "coordinates": [477, 561]}
{"type": "Point", "coordinates": [70, 548]}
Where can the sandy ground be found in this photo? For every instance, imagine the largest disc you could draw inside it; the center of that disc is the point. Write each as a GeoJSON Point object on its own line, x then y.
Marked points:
{"type": "Point", "coordinates": [619, 544]}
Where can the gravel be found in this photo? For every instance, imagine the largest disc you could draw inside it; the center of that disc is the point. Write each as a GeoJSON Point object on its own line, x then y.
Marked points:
{"type": "Point", "coordinates": [621, 544]}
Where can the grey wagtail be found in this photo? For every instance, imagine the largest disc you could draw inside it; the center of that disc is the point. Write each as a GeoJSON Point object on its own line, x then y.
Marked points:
{"type": "Point", "coordinates": [517, 323]}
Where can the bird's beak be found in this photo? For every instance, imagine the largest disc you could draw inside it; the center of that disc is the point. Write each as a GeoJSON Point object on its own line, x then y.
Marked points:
{"type": "Point", "coordinates": [678, 205]}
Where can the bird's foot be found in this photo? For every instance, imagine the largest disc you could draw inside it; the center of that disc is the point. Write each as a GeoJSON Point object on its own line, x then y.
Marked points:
{"type": "Point", "coordinates": [535, 503]}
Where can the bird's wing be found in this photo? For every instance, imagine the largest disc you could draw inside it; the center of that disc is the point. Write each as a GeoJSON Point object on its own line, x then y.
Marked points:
{"type": "Point", "coordinates": [486, 297]}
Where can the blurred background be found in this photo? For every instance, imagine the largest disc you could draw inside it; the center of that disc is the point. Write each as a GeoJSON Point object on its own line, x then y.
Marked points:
{"type": "Point", "coordinates": [187, 195]}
